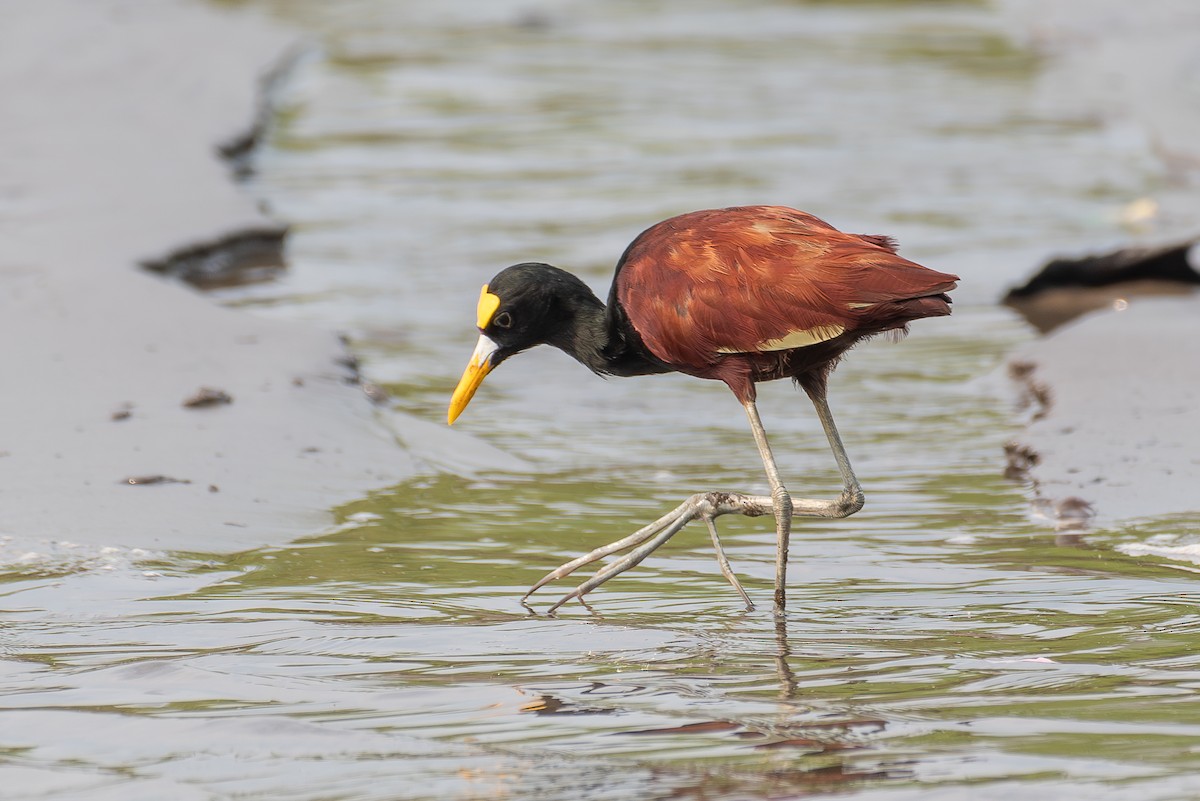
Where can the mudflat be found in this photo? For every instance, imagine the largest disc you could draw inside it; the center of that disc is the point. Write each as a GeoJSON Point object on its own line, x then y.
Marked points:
{"type": "Point", "coordinates": [1115, 421]}
{"type": "Point", "coordinates": [115, 117]}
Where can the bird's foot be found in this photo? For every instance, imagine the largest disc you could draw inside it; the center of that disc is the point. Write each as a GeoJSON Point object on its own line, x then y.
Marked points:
{"type": "Point", "coordinates": [706, 506]}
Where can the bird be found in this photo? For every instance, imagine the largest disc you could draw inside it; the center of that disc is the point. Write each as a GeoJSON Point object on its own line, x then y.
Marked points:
{"type": "Point", "coordinates": [740, 295]}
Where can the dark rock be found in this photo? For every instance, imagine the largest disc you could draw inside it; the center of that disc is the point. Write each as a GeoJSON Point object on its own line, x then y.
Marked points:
{"type": "Point", "coordinates": [1066, 288]}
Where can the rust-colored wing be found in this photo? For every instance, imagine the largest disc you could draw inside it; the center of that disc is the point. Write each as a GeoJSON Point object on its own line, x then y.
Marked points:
{"type": "Point", "coordinates": [755, 279]}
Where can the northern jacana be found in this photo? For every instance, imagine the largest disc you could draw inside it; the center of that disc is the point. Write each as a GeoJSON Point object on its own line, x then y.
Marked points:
{"type": "Point", "coordinates": [740, 295]}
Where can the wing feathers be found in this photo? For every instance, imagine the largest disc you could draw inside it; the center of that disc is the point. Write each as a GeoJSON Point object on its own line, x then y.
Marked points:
{"type": "Point", "coordinates": [759, 278]}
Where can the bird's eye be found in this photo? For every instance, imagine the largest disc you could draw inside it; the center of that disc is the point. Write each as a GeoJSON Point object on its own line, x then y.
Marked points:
{"type": "Point", "coordinates": [502, 320]}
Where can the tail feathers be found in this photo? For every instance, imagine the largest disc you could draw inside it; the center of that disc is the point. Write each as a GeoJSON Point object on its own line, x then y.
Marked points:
{"type": "Point", "coordinates": [897, 314]}
{"type": "Point", "coordinates": [929, 306]}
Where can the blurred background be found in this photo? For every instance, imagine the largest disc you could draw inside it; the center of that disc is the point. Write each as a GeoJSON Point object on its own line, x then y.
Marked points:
{"type": "Point", "coordinates": [943, 643]}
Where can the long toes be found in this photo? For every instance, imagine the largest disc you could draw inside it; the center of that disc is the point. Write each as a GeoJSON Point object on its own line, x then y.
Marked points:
{"type": "Point", "coordinates": [631, 559]}
{"type": "Point", "coordinates": [723, 562]}
{"type": "Point", "coordinates": [578, 562]}
{"type": "Point", "coordinates": [563, 570]}
{"type": "Point", "coordinates": [636, 538]}
{"type": "Point", "coordinates": [705, 505]}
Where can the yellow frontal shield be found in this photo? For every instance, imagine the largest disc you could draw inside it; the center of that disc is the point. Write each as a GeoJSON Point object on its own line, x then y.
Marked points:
{"type": "Point", "coordinates": [488, 303]}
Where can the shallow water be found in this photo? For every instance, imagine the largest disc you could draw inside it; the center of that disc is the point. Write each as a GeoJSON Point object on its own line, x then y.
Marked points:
{"type": "Point", "coordinates": [943, 643]}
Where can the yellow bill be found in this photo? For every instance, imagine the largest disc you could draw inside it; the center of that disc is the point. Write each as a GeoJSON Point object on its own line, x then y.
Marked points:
{"type": "Point", "coordinates": [477, 370]}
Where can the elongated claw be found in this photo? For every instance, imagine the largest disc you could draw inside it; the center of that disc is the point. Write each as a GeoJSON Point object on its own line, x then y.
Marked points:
{"type": "Point", "coordinates": [637, 537]}
{"type": "Point", "coordinates": [631, 559]}
{"type": "Point", "coordinates": [723, 562]}
{"type": "Point", "coordinates": [644, 541]}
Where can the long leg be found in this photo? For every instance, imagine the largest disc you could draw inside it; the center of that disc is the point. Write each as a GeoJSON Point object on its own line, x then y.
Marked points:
{"type": "Point", "coordinates": [709, 506]}
{"type": "Point", "coordinates": [850, 501]}
{"type": "Point", "coordinates": [781, 503]}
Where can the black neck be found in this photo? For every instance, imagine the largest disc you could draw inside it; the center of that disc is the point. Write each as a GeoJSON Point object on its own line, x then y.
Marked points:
{"type": "Point", "coordinates": [584, 332]}
{"type": "Point", "coordinates": [602, 341]}
{"type": "Point", "coordinates": [554, 307]}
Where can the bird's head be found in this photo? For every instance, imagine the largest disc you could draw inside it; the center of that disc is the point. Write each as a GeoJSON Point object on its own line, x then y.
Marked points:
{"type": "Point", "coordinates": [524, 305]}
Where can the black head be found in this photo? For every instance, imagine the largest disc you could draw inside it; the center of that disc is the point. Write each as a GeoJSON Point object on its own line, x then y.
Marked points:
{"type": "Point", "coordinates": [524, 305]}
{"type": "Point", "coordinates": [536, 304]}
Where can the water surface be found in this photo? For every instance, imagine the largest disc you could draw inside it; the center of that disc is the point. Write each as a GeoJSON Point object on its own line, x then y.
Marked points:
{"type": "Point", "coordinates": [943, 643]}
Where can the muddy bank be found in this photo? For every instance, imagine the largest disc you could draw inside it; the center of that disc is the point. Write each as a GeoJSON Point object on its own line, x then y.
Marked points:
{"type": "Point", "coordinates": [116, 115]}
{"type": "Point", "coordinates": [1113, 404]}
